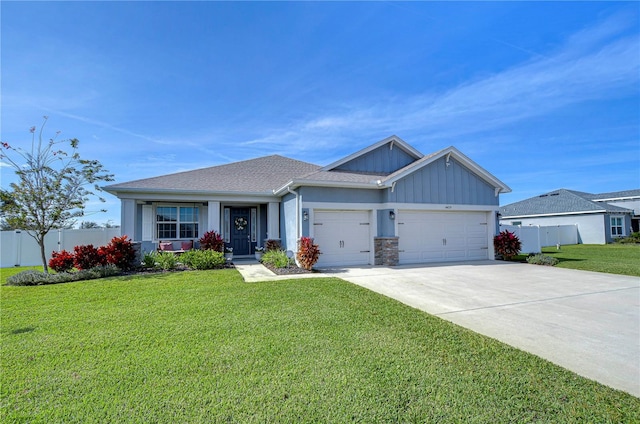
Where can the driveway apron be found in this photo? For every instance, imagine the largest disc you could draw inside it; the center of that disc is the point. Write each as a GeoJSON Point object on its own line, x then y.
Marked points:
{"type": "Point", "coordinates": [584, 321]}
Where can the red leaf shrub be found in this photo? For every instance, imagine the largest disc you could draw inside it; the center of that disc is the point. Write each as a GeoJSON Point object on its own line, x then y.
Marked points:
{"type": "Point", "coordinates": [507, 244]}
{"type": "Point", "coordinates": [87, 257]}
{"type": "Point", "coordinates": [61, 261]}
{"type": "Point", "coordinates": [119, 252]}
{"type": "Point", "coordinates": [272, 244]}
{"type": "Point", "coordinates": [211, 241]}
{"type": "Point", "coordinates": [308, 253]}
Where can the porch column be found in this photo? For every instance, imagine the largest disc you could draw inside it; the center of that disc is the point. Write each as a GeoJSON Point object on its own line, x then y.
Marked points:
{"type": "Point", "coordinates": [128, 218]}
{"type": "Point", "coordinates": [273, 220]}
{"type": "Point", "coordinates": [213, 216]}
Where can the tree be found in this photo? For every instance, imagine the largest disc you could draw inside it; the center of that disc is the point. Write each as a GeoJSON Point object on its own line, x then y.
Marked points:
{"type": "Point", "coordinates": [89, 224]}
{"type": "Point", "coordinates": [53, 186]}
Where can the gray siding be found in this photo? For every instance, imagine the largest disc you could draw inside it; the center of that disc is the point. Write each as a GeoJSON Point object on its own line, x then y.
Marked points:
{"type": "Point", "coordinates": [442, 184]}
{"type": "Point", "coordinates": [386, 226]}
{"type": "Point", "coordinates": [382, 160]}
{"type": "Point", "coordinates": [340, 195]}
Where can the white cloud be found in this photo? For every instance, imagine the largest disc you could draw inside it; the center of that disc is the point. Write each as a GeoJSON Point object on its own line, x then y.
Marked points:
{"type": "Point", "coordinates": [600, 62]}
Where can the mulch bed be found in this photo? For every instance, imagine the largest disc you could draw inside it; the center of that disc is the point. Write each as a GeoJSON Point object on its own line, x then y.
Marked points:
{"type": "Point", "coordinates": [290, 270]}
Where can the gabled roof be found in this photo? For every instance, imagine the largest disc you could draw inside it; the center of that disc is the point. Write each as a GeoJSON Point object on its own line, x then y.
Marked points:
{"type": "Point", "coordinates": [259, 175]}
{"type": "Point", "coordinates": [334, 178]}
{"type": "Point", "coordinates": [448, 152]}
{"type": "Point", "coordinates": [558, 202]}
{"type": "Point", "coordinates": [394, 140]}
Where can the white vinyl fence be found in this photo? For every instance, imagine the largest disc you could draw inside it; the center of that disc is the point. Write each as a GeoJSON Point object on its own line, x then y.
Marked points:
{"type": "Point", "coordinates": [17, 248]}
{"type": "Point", "coordinates": [535, 237]}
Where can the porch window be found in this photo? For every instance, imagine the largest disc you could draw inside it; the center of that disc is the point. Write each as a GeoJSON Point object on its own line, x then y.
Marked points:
{"type": "Point", "coordinates": [174, 222]}
{"type": "Point", "coordinates": [617, 227]}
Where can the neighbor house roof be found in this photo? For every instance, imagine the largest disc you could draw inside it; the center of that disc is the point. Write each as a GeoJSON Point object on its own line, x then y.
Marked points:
{"type": "Point", "coordinates": [259, 175]}
{"type": "Point", "coordinates": [616, 195]}
{"type": "Point", "coordinates": [558, 202]}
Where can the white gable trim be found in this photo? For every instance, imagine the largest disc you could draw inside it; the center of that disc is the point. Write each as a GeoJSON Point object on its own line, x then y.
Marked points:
{"type": "Point", "coordinates": [460, 157]}
{"type": "Point", "coordinates": [395, 142]}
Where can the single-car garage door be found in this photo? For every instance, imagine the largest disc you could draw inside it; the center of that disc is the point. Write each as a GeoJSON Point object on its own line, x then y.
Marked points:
{"type": "Point", "coordinates": [442, 236]}
{"type": "Point", "coordinates": [344, 237]}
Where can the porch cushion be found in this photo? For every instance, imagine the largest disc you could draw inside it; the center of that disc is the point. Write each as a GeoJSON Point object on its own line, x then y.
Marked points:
{"type": "Point", "coordinates": [187, 245]}
{"type": "Point", "coordinates": [166, 246]}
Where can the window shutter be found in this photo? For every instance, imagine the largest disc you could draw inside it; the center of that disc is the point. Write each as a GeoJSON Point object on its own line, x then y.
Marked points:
{"type": "Point", "coordinates": [147, 223]}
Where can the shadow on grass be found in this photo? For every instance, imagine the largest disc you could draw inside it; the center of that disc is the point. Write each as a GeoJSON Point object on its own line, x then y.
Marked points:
{"type": "Point", "coordinates": [23, 330]}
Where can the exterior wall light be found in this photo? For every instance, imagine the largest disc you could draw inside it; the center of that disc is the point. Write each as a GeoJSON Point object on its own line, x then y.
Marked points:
{"type": "Point", "coordinates": [392, 215]}
{"type": "Point", "coordinates": [305, 216]}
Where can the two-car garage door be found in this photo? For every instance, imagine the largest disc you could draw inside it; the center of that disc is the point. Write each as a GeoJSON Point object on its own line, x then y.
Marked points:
{"type": "Point", "coordinates": [442, 236]}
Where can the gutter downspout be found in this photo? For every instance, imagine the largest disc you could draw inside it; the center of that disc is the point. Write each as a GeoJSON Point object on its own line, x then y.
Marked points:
{"type": "Point", "coordinates": [298, 212]}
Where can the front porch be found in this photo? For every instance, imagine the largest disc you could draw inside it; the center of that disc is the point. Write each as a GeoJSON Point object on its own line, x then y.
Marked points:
{"type": "Point", "coordinates": [243, 225]}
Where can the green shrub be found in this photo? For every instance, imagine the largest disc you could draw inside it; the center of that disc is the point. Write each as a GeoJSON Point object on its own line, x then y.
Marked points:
{"type": "Point", "coordinates": [276, 258]}
{"type": "Point", "coordinates": [28, 278]}
{"type": "Point", "coordinates": [631, 238]}
{"type": "Point", "coordinates": [540, 259]}
{"type": "Point", "coordinates": [203, 259]}
{"type": "Point", "coordinates": [167, 260]}
{"type": "Point", "coordinates": [150, 260]}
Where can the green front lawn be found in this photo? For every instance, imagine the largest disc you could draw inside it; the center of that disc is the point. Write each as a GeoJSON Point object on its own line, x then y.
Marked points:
{"type": "Point", "coordinates": [204, 346]}
{"type": "Point", "coordinates": [611, 258]}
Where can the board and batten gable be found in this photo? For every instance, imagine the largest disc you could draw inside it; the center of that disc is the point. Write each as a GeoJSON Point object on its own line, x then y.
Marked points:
{"type": "Point", "coordinates": [340, 195]}
{"type": "Point", "coordinates": [442, 183]}
{"type": "Point", "coordinates": [385, 159]}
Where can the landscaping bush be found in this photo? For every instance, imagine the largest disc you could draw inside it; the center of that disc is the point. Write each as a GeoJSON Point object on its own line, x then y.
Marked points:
{"type": "Point", "coordinates": [167, 260]}
{"type": "Point", "coordinates": [28, 278]}
{"type": "Point", "coordinates": [61, 261]}
{"type": "Point", "coordinates": [507, 244]}
{"type": "Point", "coordinates": [211, 241]}
{"type": "Point", "coordinates": [87, 257]}
{"type": "Point", "coordinates": [203, 259]}
{"type": "Point", "coordinates": [276, 259]}
{"type": "Point", "coordinates": [120, 253]}
{"type": "Point", "coordinates": [38, 278]}
{"type": "Point", "coordinates": [150, 260]}
{"type": "Point", "coordinates": [540, 259]}
{"type": "Point", "coordinates": [632, 238]}
{"type": "Point", "coordinates": [308, 253]}
{"type": "Point", "coordinates": [273, 245]}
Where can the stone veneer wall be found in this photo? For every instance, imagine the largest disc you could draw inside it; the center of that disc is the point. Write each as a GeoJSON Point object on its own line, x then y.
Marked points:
{"type": "Point", "coordinates": [386, 251]}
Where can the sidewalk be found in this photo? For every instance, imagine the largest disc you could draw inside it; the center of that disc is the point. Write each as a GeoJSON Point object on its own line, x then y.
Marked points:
{"type": "Point", "coordinates": [253, 271]}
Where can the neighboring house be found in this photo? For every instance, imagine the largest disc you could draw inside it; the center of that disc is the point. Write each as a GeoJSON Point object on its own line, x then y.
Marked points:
{"type": "Point", "coordinates": [600, 218]}
{"type": "Point", "coordinates": [384, 205]}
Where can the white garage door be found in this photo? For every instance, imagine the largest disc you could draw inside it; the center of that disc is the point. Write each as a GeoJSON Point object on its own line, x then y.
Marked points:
{"type": "Point", "coordinates": [344, 237]}
{"type": "Point", "coordinates": [442, 236]}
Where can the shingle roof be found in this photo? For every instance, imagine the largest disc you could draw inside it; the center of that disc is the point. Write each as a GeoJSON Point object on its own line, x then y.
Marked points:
{"type": "Point", "coordinates": [560, 201]}
{"type": "Point", "coordinates": [616, 195]}
{"type": "Point", "coordinates": [259, 175]}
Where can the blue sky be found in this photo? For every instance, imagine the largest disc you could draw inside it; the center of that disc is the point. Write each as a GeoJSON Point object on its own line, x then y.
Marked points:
{"type": "Point", "coordinates": [543, 95]}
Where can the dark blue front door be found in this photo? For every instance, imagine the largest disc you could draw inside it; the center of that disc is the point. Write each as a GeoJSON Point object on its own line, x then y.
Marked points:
{"type": "Point", "coordinates": [240, 231]}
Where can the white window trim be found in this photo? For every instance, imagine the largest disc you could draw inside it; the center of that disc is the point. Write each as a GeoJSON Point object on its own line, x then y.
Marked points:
{"type": "Point", "coordinates": [611, 226]}
{"type": "Point", "coordinates": [177, 222]}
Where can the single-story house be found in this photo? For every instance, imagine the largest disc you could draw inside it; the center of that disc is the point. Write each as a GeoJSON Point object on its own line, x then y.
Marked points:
{"type": "Point", "coordinates": [600, 218]}
{"type": "Point", "coordinates": [386, 204]}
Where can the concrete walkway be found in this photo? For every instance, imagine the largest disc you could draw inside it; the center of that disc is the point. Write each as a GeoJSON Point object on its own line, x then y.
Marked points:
{"type": "Point", "coordinates": [253, 272]}
{"type": "Point", "coordinates": [584, 321]}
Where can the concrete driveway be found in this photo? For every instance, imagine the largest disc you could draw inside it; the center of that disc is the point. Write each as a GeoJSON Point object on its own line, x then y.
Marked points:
{"type": "Point", "coordinates": [584, 321]}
